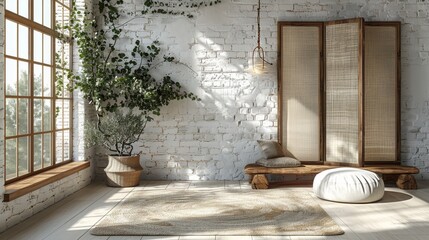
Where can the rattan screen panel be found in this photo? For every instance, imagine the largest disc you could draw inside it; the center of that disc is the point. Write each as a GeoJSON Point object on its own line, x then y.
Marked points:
{"type": "Point", "coordinates": [300, 90]}
{"type": "Point", "coordinates": [343, 46]}
{"type": "Point", "coordinates": [380, 106]}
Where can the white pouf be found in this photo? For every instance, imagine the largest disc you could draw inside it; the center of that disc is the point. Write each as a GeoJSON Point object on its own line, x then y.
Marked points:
{"type": "Point", "coordinates": [348, 185]}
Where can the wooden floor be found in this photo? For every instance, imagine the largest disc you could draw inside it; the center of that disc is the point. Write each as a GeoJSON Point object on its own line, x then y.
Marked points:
{"type": "Point", "coordinates": [400, 215]}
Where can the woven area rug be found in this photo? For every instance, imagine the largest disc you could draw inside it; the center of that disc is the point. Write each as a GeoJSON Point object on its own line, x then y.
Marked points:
{"type": "Point", "coordinates": [217, 212]}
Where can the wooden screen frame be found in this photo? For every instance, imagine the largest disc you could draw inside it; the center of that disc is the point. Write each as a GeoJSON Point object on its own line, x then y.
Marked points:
{"type": "Point", "coordinates": [397, 26]}
{"type": "Point", "coordinates": [280, 128]}
{"type": "Point", "coordinates": [361, 88]}
{"type": "Point", "coordinates": [361, 120]}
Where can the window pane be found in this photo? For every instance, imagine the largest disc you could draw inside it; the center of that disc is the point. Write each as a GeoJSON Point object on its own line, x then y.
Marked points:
{"type": "Point", "coordinates": [59, 83]}
{"type": "Point", "coordinates": [38, 46]}
{"type": "Point", "coordinates": [23, 111]}
{"type": "Point", "coordinates": [11, 5]}
{"type": "Point", "coordinates": [37, 11]}
{"type": "Point", "coordinates": [23, 41]}
{"type": "Point", "coordinates": [58, 53]}
{"type": "Point", "coordinates": [38, 78]}
{"type": "Point", "coordinates": [66, 111]}
{"type": "Point", "coordinates": [10, 117]}
{"type": "Point", "coordinates": [23, 83]}
{"type": "Point", "coordinates": [23, 8]}
{"type": "Point", "coordinates": [66, 16]}
{"type": "Point", "coordinates": [47, 81]}
{"type": "Point", "coordinates": [28, 107]}
{"type": "Point", "coordinates": [11, 38]}
{"type": "Point", "coordinates": [23, 157]}
{"type": "Point", "coordinates": [66, 145]}
{"type": "Point", "coordinates": [11, 76]}
{"type": "Point", "coordinates": [47, 13]}
{"type": "Point", "coordinates": [37, 115]}
{"type": "Point", "coordinates": [59, 147]}
{"type": "Point", "coordinates": [47, 49]}
{"type": "Point", "coordinates": [38, 151]}
{"type": "Point", "coordinates": [59, 114]}
{"type": "Point", "coordinates": [47, 111]}
{"type": "Point", "coordinates": [66, 56]}
{"type": "Point", "coordinates": [47, 150]}
{"type": "Point", "coordinates": [10, 158]}
{"type": "Point", "coordinates": [67, 93]}
{"type": "Point", "coordinates": [59, 17]}
{"type": "Point", "coordinates": [62, 54]}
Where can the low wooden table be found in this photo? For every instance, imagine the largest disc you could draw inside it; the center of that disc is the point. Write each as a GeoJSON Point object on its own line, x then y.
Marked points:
{"type": "Point", "coordinates": [259, 180]}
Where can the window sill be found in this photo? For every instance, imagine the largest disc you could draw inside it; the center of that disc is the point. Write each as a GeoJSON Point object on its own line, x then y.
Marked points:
{"type": "Point", "coordinates": [27, 185]}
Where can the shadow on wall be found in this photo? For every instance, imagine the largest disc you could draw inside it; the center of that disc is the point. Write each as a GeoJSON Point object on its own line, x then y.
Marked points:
{"type": "Point", "coordinates": [214, 138]}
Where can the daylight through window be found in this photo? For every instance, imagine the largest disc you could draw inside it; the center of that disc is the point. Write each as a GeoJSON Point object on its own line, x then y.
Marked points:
{"type": "Point", "coordinates": [38, 107]}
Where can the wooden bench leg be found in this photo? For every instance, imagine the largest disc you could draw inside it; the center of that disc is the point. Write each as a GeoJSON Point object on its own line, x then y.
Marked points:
{"type": "Point", "coordinates": [251, 177]}
{"type": "Point", "coordinates": [406, 181]}
{"type": "Point", "coordinates": [260, 181]}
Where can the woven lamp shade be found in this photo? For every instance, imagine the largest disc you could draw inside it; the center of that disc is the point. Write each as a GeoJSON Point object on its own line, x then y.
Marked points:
{"type": "Point", "coordinates": [343, 72]}
{"type": "Point", "coordinates": [381, 63]}
{"type": "Point", "coordinates": [300, 91]}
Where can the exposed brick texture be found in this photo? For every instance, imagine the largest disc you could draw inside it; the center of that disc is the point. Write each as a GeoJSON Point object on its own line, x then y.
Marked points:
{"type": "Point", "coordinates": [23, 207]}
{"type": "Point", "coordinates": [215, 138]}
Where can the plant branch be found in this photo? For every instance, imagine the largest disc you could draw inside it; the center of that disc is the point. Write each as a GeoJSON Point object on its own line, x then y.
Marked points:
{"type": "Point", "coordinates": [175, 62]}
{"type": "Point", "coordinates": [141, 131]}
{"type": "Point", "coordinates": [127, 83]}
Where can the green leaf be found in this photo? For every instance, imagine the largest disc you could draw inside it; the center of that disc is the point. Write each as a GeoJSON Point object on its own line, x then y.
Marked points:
{"type": "Point", "coordinates": [113, 82]}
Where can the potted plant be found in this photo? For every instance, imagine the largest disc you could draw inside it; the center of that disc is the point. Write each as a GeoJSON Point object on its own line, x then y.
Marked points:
{"type": "Point", "coordinates": [120, 86]}
{"type": "Point", "coordinates": [117, 132]}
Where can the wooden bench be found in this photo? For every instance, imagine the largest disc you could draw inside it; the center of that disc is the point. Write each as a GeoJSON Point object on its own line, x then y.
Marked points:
{"type": "Point", "coordinates": [402, 174]}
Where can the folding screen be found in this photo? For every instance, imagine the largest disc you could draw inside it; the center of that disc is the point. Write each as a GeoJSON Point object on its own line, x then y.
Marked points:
{"type": "Point", "coordinates": [381, 107]}
{"type": "Point", "coordinates": [300, 74]}
{"type": "Point", "coordinates": [353, 116]}
{"type": "Point", "coordinates": [343, 92]}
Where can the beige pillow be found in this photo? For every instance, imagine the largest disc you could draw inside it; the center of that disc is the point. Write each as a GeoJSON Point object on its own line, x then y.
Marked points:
{"type": "Point", "coordinates": [271, 149]}
{"type": "Point", "coordinates": [280, 162]}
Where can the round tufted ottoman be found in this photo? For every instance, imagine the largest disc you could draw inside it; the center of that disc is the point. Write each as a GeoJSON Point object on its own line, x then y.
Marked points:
{"type": "Point", "coordinates": [348, 185]}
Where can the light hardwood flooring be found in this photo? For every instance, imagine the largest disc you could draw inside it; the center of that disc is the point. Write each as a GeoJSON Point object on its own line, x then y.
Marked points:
{"type": "Point", "coordinates": [400, 215]}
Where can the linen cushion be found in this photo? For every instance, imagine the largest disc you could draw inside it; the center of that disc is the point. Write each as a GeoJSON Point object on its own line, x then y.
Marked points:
{"type": "Point", "coordinates": [348, 185]}
{"type": "Point", "coordinates": [279, 162]}
{"type": "Point", "coordinates": [271, 149]}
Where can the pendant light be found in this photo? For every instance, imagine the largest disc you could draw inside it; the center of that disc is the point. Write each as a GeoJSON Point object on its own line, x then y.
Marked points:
{"type": "Point", "coordinates": [258, 55]}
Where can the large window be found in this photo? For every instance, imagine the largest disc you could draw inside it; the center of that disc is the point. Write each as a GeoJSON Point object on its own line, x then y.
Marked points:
{"type": "Point", "coordinates": [37, 106]}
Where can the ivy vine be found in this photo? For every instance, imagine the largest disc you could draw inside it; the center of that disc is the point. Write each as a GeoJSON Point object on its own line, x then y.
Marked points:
{"type": "Point", "coordinates": [170, 7]}
{"type": "Point", "coordinates": [113, 80]}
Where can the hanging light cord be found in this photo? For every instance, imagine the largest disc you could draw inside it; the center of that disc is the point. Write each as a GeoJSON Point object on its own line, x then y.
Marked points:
{"type": "Point", "coordinates": [259, 24]}
{"type": "Point", "coordinates": [259, 49]}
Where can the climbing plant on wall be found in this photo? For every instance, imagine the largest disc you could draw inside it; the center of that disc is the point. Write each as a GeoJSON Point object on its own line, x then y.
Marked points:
{"type": "Point", "coordinates": [114, 80]}
{"type": "Point", "coordinates": [180, 7]}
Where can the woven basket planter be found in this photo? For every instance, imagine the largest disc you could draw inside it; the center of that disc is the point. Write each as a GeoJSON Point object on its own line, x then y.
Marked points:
{"type": "Point", "coordinates": [123, 171]}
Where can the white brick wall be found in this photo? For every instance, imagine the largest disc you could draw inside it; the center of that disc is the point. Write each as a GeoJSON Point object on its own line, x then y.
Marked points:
{"type": "Point", "coordinates": [23, 207]}
{"type": "Point", "coordinates": [215, 138]}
